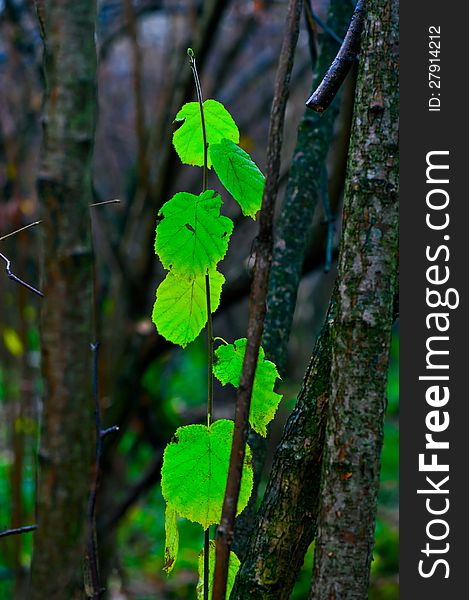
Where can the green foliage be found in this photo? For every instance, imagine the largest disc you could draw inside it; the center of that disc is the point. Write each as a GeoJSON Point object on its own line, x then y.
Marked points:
{"type": "Point", "coordinates": [195, 470]}
{"type": "Point", "coordinates": [227, 369]}
{"type": "Point", "coordinates": [192, 237]}
{"type": "Point", "coordinates": [239, 175]}
{"type": "Point", "coordinates": [172, 538]}
{"type": "Point", "coordinates": [233, 568]}
{"type": "Point", "coordinates": [188, 139]}
{"type": "Point", "coordinates": [180, 311]}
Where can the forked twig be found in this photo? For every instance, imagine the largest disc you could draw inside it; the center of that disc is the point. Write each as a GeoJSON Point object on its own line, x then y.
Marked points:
{"type": "Point", "coordinates": [13, 277]}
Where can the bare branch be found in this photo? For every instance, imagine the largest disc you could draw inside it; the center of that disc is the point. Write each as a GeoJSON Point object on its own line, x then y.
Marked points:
{"type": "Point", "coordinates": [115, 201]}
{"type": "Point", "coordinates": [18, 530]}
{"type": "Point", "coordinates": [346, 57]}
{"type": "Point", "coordinates": [13, 277]}
{"type": "Point", "coordinates": [4, 237]}
{"type": "Point", "coordinates": [257, 301]}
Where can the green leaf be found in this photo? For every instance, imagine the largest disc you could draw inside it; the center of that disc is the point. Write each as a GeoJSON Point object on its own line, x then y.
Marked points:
{"type": "Point", "coordinates": [188, 139]}
{"type": "Point", "coordinates": [193, 236]}
{"type": "Point", "coordinates": [239, 174]}
{"type": "Point", "coordinates": [227, 369]}
{"type": "Point", "coordinates": [195, 470]}
{"type": "Point", "coordinates": [233, 568]}
{"type": "Point", "coordinates": [172, 538]}
{"type": "Point", "coordinates": [180, 309]}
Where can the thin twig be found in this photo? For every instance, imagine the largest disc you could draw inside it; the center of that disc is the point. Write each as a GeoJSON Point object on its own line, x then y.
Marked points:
{"type": "Point", "coordinates": [18, 530]}
{"type": "Point", "coordinates": [257, 300]}
{"type": "Point", "coordinates": [13, 277]}
{"type": "Point", "coordinates": [108, 431]}
{"type": "Point", "coordinates": [96, 590]}
{"type": "Point", "coordinates": [92, 551]}
{"type": "Point", "coordinates": [324, 26]}
{"type": "Point", "coordinates": [346, 57]}
{"type": "Point", "coordinates": [4, 237]}
{"type": "Point", "coordinates": [7, 261]}
{"type": "Point", "coordinates": [115, 201]}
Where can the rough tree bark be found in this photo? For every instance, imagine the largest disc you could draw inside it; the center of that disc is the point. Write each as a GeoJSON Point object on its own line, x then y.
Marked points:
{"type": "Point", "coordinates": [288, 516]}
{"type": "Point", "coordinates": [361, 331]}
{"type": "Point", "coordinates": [292, 231]}
{"type": "Point", "coordinates": [67, 429]}
{"type": "Point", "coordinates": [286, 520]}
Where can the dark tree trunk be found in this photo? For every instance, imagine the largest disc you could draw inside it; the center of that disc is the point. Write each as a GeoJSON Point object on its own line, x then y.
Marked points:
{"type": "Point", "coordinates": [67, 430]}
{"type": "Point", "coordinates": [361, 332]}
{"type": "Point", "coordinates": [286, 522]}
{"type": "Point", "coordinates": [287, 518]}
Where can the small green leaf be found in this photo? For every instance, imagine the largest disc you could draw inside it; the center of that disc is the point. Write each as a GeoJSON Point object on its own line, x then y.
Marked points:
{"type": "Point", "coordinates": [233, 568]}
{"type": "Point", "coordinates": [195, 470]}
{"type": "Point", "coordinates": [193, 236]}
{"type": "Point", "coordinates": [239, 174]}
{"type": "Point", "coordinates": [188, 139]}
{"type": "Point", "coordinates": [180, 310]}
{"type": "Point", "coordinates": [227, 369]}
{"type": "Point", "coordinates": [172, 538]}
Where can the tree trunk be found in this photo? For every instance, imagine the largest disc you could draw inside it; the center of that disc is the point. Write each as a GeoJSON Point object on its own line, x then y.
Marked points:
{"type": "Point", "coordinates": [67, 429]}
{"type": "Point", "coordinates": [287, 518]}
{"type": "Point", "coordinates": [361, 332]}
{"type": "Point", "coordinates": [286, 523]}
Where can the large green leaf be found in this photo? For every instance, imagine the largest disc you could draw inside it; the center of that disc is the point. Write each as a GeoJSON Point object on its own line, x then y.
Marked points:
{"type": "Point", "coordinates": [227, 368]}
{"type": "Point", "coordinates": [195, 470]}
{"type": "Point", "coordinates": [180, 310]}
{"type": "Point", "coordinates": [172, 538]}
{"type": "Point", "coordinates": [188, 139]}
{"type": "Point", "coordinates": [233, 568]}
{"type": "Point", "coordinates": [193, 236]}
{"type": "Point", "coordinates": [239, 174]}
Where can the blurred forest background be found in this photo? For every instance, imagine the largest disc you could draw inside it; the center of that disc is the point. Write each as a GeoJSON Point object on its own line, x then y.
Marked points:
{"type": "Point", "coordinates": [148, 387]}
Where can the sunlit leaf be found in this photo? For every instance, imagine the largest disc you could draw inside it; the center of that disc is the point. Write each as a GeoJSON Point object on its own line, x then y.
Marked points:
{"type": "Point", "coordinates": [239, 174]}
{"type": "Point", "coordinates": [188, 139]}
{"type": "Point", "coordinates": [227, 368]}
{"type": "Point", "coordinates": [193, 236]}
{"type": "Point", "coordinates": [195, 470]}
{"type": "Point", "coordinates": [172, 538]}
{"type": "Point", "coordinates": [233, 568]}
{"type": "Point", "coordinates": [180, 309]}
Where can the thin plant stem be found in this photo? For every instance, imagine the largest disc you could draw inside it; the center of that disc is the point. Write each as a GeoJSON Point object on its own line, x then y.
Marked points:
{"type": "Point", "coordinates": [198, 89]}
{"type": "Point", "coordinates": [257, 303]}
{"type": "Point", "coordinates": [209, 311]}
{"type": "Point", "coordinates": [92, 543]}
{"type": "Point", "coordinates": [4, 237]}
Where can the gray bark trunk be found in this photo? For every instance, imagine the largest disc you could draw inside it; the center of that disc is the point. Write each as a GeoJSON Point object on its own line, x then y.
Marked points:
{"type": "Point", "coordinates": [285, 527]}
{"type": "Point", "coordinates": [67, 429]}
{"type": "Point", "coordinates": [361, 332]}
